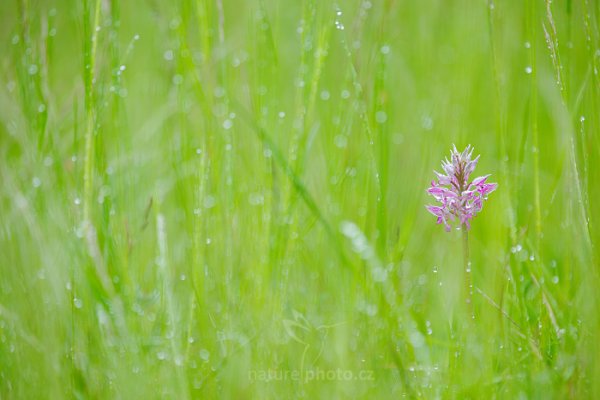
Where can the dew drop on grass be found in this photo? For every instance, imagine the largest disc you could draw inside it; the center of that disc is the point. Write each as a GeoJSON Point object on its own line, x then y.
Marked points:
{"type": "Point", "coordinates": [227, 124]}
{"type": "Point", "coordinates": [168, 55]}
{"type": "Point", "coordinates": [204, 355]}
{"type": "Point", "coordinates": [78, 303]}
{"type": "Point", "coordinates": [516, 249]}
{"type": "Point", "coordinates": [325, 95]}
{"type": "Point", "coordinates": [209, 201]}
{"type": "Point", "coordinates": [33, 69]}
{"type": "Point", "coordinates": [340, 141]}
{"type": "Point", "coordinates": [385, 49]}
{"type": "Point", "coordinates": [427, 122]}
{"type": "Point", "coordinates": [435, 269]}
{"type": "Point", "coordinates": [528, 70]}
{"type": "Point", "coordinates": [345, 94]}
{"type": "Point", "coordinates": [555, 279]}
{"type": "Point", "coordinates": [161, 355]}
{"type": "Point", "coordinates": [527, 45]}
{"type": "Point", "coordinates": [428, 325]}
{"type": "Point", "coordinates": [36, 182]}
{"type": "Point", "coordinates": [177, 79]}
{"type": "Point", "coordinates": [77, 201]}
{"type": "Point", "coordinates": [380, 117]}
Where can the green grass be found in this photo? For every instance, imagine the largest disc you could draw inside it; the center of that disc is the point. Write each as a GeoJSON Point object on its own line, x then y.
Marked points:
{"type": "Point", "coordinates": [199, 195]}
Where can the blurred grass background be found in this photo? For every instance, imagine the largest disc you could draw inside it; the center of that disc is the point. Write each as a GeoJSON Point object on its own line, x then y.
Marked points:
{"type": "Point", "coordinates": [196, 192]}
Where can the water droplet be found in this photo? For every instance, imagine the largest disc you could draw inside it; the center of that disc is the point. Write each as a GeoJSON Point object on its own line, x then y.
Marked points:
{"type": "Point", "coordinates": [33, 69]}
{"type": "Point", "coordinates": [227, 124]}
{"type": "Point", "coordinates": [179, 360]}
{"type": "Point", "coordinates": [385, 49]}
{"type": "Point", "coordinates": [77, 201]}
{"type": "Point", "coordinates": [36, 182]}
{"type": "Point", "coordinates": [41, 108]}
{"type": "Point", "coordinates": [182, 277]}
{"type": "Point", "coordinates": [528, 70]}
{"type": "Point", "coordinates": [78, 303]}
{"type": "Point", "coordinates": [219, 92]}
{"type": "Point", "coordinates": [177, 79]}
{"type": "Point", "coordinates": [168, 55]}
{"type": "Point", "coordinates": [427, 122]}
{"type": "Point", "coordinates": [341, 141]}
{"type": "Point", "coordinates": [198, 150]}
{"type": "Point", "coordinates": [516, 249]}
{"type": "Point", "coordinates": [345, 94]}
{"type": "Point", "coordinates": [532, 258]}
{"type": "Point", "coordinates": [380, 117]}
{"type": "Point", "coordinates": [281, 114]}
{"type": "Point", "coordinates": [136, 37]}
{"type": "Point", "coordinates": [161, 355]}
{"type": "Point", "coordinates": [581, 119]}
{"type": "Point", "coordinates": [204, 355]}
{"type": "Point", "coordinates": [555, 279]}
{"type": "Point", "coordinates": [435, 269]}
{"type": "Point", "coordinates": [325, 95]}
{"type": "Point", "coordinates": [209, 201]}
{"type": "Point", "coordinates": [527, 45]}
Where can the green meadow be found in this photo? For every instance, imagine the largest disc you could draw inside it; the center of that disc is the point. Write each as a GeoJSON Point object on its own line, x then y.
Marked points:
{"type": "Point", "coordinates": [226, 199]}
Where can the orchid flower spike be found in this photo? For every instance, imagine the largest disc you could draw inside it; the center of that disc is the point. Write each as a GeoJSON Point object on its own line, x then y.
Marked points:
{"type": "Point", "coordinates": [460, 199]}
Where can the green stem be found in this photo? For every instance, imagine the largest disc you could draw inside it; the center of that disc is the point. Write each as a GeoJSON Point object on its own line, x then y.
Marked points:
{"type": "Point", "coordinates": [468, 281]}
